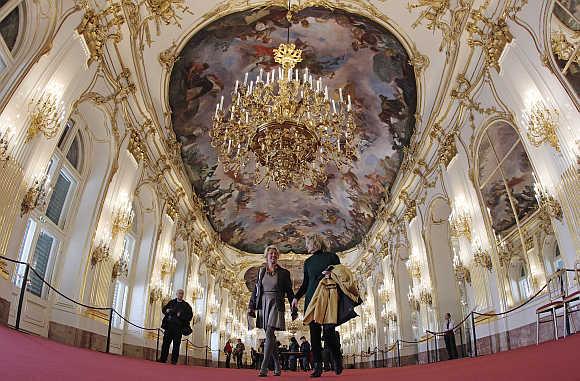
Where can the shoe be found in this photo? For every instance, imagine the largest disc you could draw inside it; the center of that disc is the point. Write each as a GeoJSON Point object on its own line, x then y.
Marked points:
{"type": "Point", "coordinates": [277, 373]}
{"type": "Point", "coordinates": [317, 371]}
{"type": "Point", "coordinates": [263, 374]}
{"type": "Point", "coordinates": [338, 368]}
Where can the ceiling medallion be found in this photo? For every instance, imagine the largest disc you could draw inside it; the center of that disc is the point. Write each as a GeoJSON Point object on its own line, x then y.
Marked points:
{"type": "Point", "coordinates": [288, 122]}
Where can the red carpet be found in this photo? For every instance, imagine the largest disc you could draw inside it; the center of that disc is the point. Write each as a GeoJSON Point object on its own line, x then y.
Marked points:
{"type": "Point", "coordinates": [25, 357]}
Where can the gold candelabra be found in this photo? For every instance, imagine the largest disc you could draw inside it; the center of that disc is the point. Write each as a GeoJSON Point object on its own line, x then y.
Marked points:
{"type": "Point", "coordinates": [547, 202]}
{"type": "Point", "coordinates": [35, 195]}
{"type": "Point", "coordinates": [414, 302]}
{"type": "Point", "coordinates": [425, 297]}
{"type": "Point", "coordinates": [123, 218]}
{"type": "Point", "coordinates": [120, 268]}
{"type": "Point", "coordinates": [100, 253]}
{"type": "Point", "coordinates": [155, 293]}
{"type": "Point", "coordinates": [482, 258]}
{"type": "Point", "coordinates": [289, 123]}
{"type": "Point", "coordinates": [414, 266]}
{"type": "Point", "coordinates": [168, 263]}
{"type": "Point", "coordinates": [46, 115]}
{"type": "Point", "coordinates": [4, 140]}
{"type": "Point", "coordinates": [542, 126]}
{"type": "Point", "coordinates": [460, 225]}
{"type": "Point", "coordinates": [461, 272]}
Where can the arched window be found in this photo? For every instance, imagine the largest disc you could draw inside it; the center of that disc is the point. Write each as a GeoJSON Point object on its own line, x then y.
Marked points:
{"type": "Point", "coordinates": [565, 40]}
{"type": "Point", "coordinates": [121, 271]}
{"type": "Point", "coordinates": [11, 15]}
{"type": "Point", "coordinates": [45, 229]}
{"type": "Point", "coordinates": [505, 179]}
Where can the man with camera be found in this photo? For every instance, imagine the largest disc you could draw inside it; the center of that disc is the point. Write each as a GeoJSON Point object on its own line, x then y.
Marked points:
{"type": "Point", "coordinates": [178, 314]}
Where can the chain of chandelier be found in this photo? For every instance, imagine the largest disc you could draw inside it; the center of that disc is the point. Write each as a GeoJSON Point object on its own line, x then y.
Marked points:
{"type": "Point", "coordinates": [284, 126]}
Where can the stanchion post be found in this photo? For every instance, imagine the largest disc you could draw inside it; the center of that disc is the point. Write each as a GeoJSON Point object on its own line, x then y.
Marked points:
{"type": "Point", "coordinates": [461, 339]}
{"type": "Point", "coordinates": [206, 356]}
{"type": "Point", "coordinates": [157, 345]}
{"type": "Point", "coordinates": [21, 297]}
{"type": "Point", "coordinates": [398, 353]}
{"type": "Point", "coordinates": [376, 357]}
{"type": "Point", "coordinates": [436, 348]}
{"type": "Point", "coordinates": [428, 352]}
{"type": "Point", "coordinates": [186, 348]}
{"type": "Point", "coordinates": [474, 334]}
{"type": "Point", "coordinates": [109, 330]}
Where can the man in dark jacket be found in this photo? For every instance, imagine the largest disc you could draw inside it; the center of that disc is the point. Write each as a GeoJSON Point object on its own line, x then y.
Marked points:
{"type": "Point", "coordinates": [305, 350]}
{"type": "Point", "coordinates": [239, 353]}
{"type": "Point", "coordinates": [178, 314]}
{"type": "Point", "coordinates": [314, 268]}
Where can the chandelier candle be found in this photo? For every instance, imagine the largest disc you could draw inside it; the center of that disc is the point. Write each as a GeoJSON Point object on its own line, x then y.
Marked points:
{"type": "Point", "coordinates": [290, 125]}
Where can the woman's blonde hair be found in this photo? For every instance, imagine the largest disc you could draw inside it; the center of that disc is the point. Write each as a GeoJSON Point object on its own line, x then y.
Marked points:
{"type": "Point", "coordinates": [318, 241]}
{"type": "Point", "coordinates": [271, 247]}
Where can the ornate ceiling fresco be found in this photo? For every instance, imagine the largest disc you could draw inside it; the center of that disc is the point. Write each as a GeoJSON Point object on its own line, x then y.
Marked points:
{"type": "Point", "coordinates": [349, 51]}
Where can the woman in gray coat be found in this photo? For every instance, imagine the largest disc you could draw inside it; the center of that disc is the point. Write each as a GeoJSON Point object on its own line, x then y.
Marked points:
{"type": "Point", "coordinates": [273, 285]}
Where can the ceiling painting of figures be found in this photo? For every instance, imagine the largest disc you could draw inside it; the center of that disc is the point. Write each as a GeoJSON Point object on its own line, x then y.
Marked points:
{"type": "Point", "coordinates": [348, 51]}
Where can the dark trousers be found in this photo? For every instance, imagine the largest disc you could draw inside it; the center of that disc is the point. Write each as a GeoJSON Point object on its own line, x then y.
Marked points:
{"type": "Point", "coordinates": [304, 363]}
{"type": "Point", "coordinates": [239, 360]}
{"type": "Point", "coordinates": [450, 345]}
{"type": "Point", "coordinates": [171, 334]}
{"type": "Point", "coordinates": [228, 358]}
{"type": "Point", "coordinates": [330, 338]}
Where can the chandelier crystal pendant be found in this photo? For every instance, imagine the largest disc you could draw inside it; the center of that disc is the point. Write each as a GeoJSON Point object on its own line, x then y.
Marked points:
{"type": "Point", "coordinates": [288, 122]}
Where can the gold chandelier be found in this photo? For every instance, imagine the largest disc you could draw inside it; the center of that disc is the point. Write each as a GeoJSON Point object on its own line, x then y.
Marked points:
{"type": "Point", "coordinates": [288, 123]}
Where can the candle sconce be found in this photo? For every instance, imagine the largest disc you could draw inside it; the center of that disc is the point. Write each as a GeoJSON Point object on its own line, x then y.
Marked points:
{"type": "Point", "coordinates": [47, 113]}
{"type": "Point", "coordinates": [4, 144]}
{"type": "Point", "coordinates": [542, 125]}
{"type": "Point", "coordinates": [547, 202]}
{"type": "Point", "coordinates": [35, 195]}
{"type": "Point", "coordinates": [123, 218]}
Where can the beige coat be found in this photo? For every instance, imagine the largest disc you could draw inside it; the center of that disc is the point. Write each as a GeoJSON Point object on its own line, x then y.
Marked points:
{"type": "Point", "coordinates": [323, 308]}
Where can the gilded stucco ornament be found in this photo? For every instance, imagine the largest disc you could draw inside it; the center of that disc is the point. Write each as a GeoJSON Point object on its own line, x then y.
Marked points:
{"type": "Point", "coordinates": [99, 26]}
{"type": "Point", "coordinates": [448, 150]}
{"type": "Point", "coordinates": [493, 37]}
{"type": "Point", "coordinates": [168, 57]}
{"type": "Point", "coordinates": [135, 146]}
{"type": "Point", "coordinates": [440, 16]}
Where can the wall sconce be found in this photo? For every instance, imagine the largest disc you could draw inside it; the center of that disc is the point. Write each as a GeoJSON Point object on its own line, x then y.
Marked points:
{"type": "Point", "coordinates": [120, 268]}
{"type": "Point", "coordinates": [123, 218]}
{"type": "Point", "coordinates": [196, 292]}
{"type": "Point", "coordinates": [425, 296]}
{"type": "Point", "coordinates": [542, 125]}
{"type": "Point", "coordinates": [155, 293]}
{"type": "Point", "coordinates": [414, 299]}
{"type": "Point", "coordinates": [35, 195]}
{"type": "Point", "coordinates": [546, 201]}
{"type": "Point", "coordinates": [102, 249]}
{"type": "Point", "coordinates": [461, 272]}
{"type": "Point", "coordinates": [168, 263]}
{"type": "Point", "coordinates": [46, 113]}
{"type": "Point", "coordinates": [5, 138]}
{"type": "Point", "coordinates": [481, 256]}
{"type": "Point", "coordinates": [414, 266]}
{"type": "Point", "coordinates": [460, 224]}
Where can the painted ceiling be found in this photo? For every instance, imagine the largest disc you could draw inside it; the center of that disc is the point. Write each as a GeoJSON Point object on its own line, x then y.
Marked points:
{"type": "Point", "coordinates": [349, 51]}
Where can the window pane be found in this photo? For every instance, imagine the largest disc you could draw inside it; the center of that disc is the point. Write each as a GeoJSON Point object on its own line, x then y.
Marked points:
{"type": "Point", "coordinates": [69, 124]}
{"type": "Point", "coordinates": [9, 28]}
{"type": "Point", "coordinates": [58, 198]}
{"type": "Point", "coordinates": [518, 175]}
{"type": "Point", "coordinates": [496, 199]}
{"type": "Point", "coordinates": [25, 250]}
{"type": "Point", "coordinates": [486, 160]}
{"type": "Point", "coordinates": [503, 137]}
{"type": "Point", "coordinates": [40, 263]}
{"type": "Point", "coordinates": [73, 153]}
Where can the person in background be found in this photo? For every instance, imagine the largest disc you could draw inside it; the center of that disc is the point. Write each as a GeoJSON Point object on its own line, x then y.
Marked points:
{"type": "Point", "coordinates": [260, 353]}
{"type": "Point", "coordinates": [178, 314]}
{"type": "Point", "coordinates": [293, 348]}
{"type": "Point", "coordinates": [315, 268]}
{"type": "Point", "coordinates": [449, 336]}
{"type": "Point", "coordinates": [305, 350]}
{"type": "Point", "coordinates": [239, 353]}
{"type": "Point", "coordinates": [228, 352]}
{"type": "Point", "coordinates": [254, 356]}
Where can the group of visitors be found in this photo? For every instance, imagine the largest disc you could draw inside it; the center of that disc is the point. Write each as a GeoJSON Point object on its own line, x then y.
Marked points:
{"type": "Point", "coordinates": [237, 352]}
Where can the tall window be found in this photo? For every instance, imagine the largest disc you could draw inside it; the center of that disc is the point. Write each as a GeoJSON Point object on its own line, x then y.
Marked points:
{"type": "Point", "coordinates": [565, 41]}
{"type": "Point", "coordinates": [45, 229]}
{"type": "Point", "coordinates": [121, 285]}
{"type": "Point", "coordinates": [506, 179]}
{"type": "Point", "coordinates": [11, 15]}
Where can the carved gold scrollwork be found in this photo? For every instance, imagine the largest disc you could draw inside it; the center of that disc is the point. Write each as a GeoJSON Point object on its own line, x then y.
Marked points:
{"type": "Point", "coordinates": [448, 150]}
{"type": "Point", "coordinates": [97, 27]}
{"type": "Point", "coordinates": [135, 146]}
{"type": "Point", "coordinates": [493, 37]}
